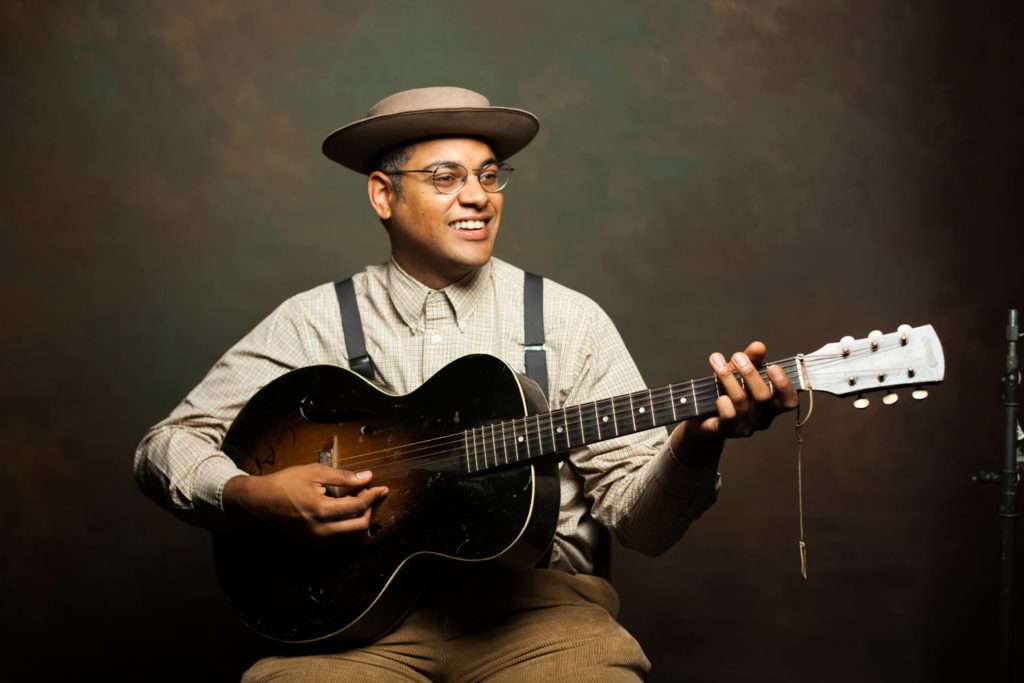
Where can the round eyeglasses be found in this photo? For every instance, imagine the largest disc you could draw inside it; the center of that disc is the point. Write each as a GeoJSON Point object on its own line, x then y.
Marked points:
{"type": "Point", "coordinates": [450, 178]}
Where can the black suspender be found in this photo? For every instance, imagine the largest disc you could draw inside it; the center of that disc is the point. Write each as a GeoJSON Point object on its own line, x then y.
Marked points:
{"type": "Point", "coordinates": [352, 326]}
{"type": "Point", "coordinates": [533, 315]}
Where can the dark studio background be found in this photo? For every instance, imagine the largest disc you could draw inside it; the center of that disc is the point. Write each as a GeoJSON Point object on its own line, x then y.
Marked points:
{"type": "Point", "coordinates": [708, 171]}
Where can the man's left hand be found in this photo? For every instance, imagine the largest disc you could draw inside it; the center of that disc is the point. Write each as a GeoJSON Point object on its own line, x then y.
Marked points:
{"type": "Point", "coordinates": [742, 410]}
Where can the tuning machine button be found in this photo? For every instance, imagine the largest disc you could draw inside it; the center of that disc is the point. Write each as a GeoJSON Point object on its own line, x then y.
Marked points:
{"type": "Point", "coordinates": [919, 394]}
{"type": "Point", "coordinates": [846, 341]}
{"type": "Point", "coordinates": [874, 336]}
{"type": "Point", "coordinates": [861, 403]}
{"type": "Point", "coordinates": [904, 330]}
{"type": "Point", "coordinates": [890, 398]}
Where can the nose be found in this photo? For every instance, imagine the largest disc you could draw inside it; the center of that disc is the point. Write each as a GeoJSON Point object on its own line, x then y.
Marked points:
{"type": "Point", "coordinates": [473, 193]}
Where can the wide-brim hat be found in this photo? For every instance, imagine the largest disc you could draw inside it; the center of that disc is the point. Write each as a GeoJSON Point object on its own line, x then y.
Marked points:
{"type": "Point", "coordinates": [430, 112]}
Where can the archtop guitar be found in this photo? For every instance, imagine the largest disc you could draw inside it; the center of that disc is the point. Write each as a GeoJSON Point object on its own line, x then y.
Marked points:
{"type": "Point", "coordinates": [470, 460]}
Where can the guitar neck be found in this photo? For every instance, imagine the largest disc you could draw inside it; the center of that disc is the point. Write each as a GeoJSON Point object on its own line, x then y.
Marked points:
{"type": "Point", "coordinates": [546, 434]}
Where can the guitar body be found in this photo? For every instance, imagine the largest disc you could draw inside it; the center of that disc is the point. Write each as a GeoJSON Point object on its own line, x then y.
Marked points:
{"type": "Point", "coordinates": [436, 513]}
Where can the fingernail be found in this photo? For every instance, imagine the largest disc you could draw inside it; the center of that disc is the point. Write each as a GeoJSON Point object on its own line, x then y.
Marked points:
{"type": "Point", "coordinates": [740, 360]}
{"type": "Point", "coordinates": [385, 491]}
{"type": "Point", "coordinates": [365, 474]}
{"type": "Point", "coordinates": [718, 360]}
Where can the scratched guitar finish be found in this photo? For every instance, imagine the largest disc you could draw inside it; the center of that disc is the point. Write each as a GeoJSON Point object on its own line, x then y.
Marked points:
{"type": "Point", "coordinates": [470, 461]}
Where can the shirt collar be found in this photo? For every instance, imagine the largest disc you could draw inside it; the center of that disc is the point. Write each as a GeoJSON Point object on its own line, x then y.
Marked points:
{"type": "Point", "coordinates": [409, 295]}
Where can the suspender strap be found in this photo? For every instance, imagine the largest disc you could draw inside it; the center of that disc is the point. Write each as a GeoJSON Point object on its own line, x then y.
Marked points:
{"type": "Point", "coordinates": [352, 326]}
{"type": "Point", "coordinates": [536, 357]}
{"type": "Point", "coordinates": [533, 314]}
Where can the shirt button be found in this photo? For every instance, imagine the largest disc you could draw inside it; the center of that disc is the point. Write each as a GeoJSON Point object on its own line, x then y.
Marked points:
{"type": "Point", "coordinates": [436, 338]}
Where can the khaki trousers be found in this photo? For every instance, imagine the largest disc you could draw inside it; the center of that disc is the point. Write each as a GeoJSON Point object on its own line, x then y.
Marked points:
{"type": "Point", "coordinates": [535, 625]}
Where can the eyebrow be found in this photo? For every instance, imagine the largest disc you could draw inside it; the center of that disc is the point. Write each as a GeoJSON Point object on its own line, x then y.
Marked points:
{"type": "Point", "coordinates": [441, 162]}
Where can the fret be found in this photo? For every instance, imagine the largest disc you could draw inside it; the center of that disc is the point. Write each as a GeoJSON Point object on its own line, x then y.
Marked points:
{"type": "Point", "coordinates": [516, 439]}
{"type": "Point", "coordinates": [541, 450]}
{"type": "Point", "coordinates": [592, 422]}
{"type": "Point", "coordinates": [526, 438]}
{"type": "Point", "coordinates": [632, 412]}
{"type": "Point", "coordinates": [672, 402]}
{"type": "Point", "coordinates": [551, 430]}
{"type": "Point", "coordinates": [504, 441]}
{"type": "Point", "coordinates": [465, 437]}
{"type": "Point", "coordinates": [606, 411]}
{"type": "Point", "coordinates": [663, 410]}
{"type": "Point", "coordinates": [574, 429]}
{"type": "Point", "coordinates": [643, 415]}
{"type": "Point", "coordinates": [478, 432]}
{"type": "Point", "coordinates": [622, 417]}
{"type": "Point", "coordinates": [483, 447]}
{"type": "Point", "coordinates": [494, 446]}
{"type": "Point", "coordinates": [476, 457]}
{"type": "Point", "coordinates": [693, 391]}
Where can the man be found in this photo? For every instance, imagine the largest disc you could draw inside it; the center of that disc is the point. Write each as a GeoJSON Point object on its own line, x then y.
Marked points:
{"type": "Point", "coordinates": [435, 161]}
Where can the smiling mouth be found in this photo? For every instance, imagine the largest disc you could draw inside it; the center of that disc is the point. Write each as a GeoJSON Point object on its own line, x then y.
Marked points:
{"type": "Point", "coordinates": [469, 225]}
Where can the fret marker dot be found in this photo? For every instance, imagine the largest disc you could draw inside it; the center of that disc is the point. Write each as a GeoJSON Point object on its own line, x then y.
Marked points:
{"type": "Point", "coordinates": [604, 419]}
{"type": "Point", "coordinates": [682, 400]}
{"type": "Point", "coordinates": [558, 429]}
{"type": "Point", "coordinates": [520, 439]}
{"type": "Point", "coordinates": [642, 409]}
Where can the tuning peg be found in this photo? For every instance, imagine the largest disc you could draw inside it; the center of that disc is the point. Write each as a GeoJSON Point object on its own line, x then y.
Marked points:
{"type": "Point", "coordinates": [861, 403]}
{"type": "Point", "coordinates": [874, 336]}
{"type": "Point", "coordinates": [890, 398]}
{"type": "Point", "coordinates": [919, 394]}
{"type": "Point", "coordinates": [904, 330]}
{"type": "Point", "coordinates": [846, 341]}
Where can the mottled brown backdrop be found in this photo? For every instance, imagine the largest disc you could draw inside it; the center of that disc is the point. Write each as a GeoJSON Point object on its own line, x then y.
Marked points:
{"type": "Point", "coordinates": [709, 171]}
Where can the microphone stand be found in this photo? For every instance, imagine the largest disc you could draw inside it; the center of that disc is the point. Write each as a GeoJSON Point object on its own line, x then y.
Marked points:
{"type": "Point", "coordinates": [1009, 479]}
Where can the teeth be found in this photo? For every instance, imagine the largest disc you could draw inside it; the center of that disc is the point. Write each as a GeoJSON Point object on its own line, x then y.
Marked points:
{"type": "Point", "coordinates": [468, 225]}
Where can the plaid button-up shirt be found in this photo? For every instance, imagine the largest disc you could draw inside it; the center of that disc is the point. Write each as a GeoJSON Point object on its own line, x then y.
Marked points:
{"type": "Point", "coordinates": [633, 485]}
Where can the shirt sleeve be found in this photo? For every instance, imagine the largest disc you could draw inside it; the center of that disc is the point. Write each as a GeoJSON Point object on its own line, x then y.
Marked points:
{"type": "Point", "coordinates": [635, 485]}
{"type": "Point", "coordinates": [179, 463]}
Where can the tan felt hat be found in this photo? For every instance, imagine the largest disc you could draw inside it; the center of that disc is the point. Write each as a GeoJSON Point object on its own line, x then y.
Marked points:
{"type": "Point", "coordinates": [430, 112]}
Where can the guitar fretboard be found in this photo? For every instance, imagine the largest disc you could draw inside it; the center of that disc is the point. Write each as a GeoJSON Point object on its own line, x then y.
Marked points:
{"type": "Point", "coordinates": [514, 441]}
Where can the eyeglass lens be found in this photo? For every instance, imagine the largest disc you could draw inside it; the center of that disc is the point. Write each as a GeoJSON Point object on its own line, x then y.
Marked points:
{"type": "Point", "coordinates": [449, 178]}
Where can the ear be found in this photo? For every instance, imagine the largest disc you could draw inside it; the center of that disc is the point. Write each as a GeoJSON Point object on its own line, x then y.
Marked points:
{"type": "Point", "coordinates": [381, 194]}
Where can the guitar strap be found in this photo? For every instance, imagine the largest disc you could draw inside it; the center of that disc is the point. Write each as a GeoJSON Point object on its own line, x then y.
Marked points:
{"type": "Point", "coordinates": [533, 334]}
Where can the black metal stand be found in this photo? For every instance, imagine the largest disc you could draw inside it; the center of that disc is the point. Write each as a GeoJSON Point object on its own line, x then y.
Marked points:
{"type": "Point", "coordinates": [1009, 480]}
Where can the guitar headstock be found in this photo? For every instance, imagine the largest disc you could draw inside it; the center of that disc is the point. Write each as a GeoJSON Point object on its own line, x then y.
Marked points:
{"type": "Point", "coordinates": [911, 356]}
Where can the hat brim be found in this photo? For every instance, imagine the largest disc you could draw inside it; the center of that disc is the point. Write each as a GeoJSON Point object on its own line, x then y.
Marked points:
{"type": "Point", "coordinates": [508, 130]}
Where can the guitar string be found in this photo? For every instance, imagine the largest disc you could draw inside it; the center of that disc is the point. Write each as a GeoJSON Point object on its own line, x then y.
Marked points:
{"type": "Point", "coordinates": [658, 398]}
{"type": "Point", "coordinates": [460, 437]}
{"type": "Point", "coordinates": [489, 453]}
{"type": "Point", "coordinates": [661, 400]}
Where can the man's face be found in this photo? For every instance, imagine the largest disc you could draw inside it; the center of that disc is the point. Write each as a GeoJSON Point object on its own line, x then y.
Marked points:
{"type": "Point", "coordinates": [439, 238]}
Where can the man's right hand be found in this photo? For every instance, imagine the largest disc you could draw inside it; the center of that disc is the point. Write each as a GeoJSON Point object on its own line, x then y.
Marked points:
{"type": "Point", "coordinates": [296, 499]}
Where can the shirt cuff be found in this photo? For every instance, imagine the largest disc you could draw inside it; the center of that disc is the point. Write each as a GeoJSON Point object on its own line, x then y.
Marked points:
{"type": "Point", "coordinates": [211, 476]}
